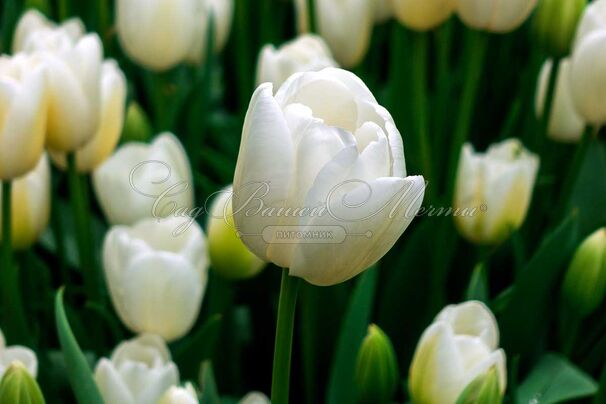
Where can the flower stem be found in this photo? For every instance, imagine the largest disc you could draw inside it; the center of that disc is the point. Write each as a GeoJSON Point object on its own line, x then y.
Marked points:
{"type": "Point", "coordinates": [79, 201]}
{"type": "Point", "coordinates": [284, 332]}
{"type": "Point", "coordinates": [311, 14]}
{"type": "Point", "coordinates": [548, 103]}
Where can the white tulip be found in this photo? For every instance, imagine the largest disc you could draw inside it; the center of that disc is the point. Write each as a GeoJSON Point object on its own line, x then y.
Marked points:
{"type": "Point", "coordinates": [23, 106]}
{"type": "Point", "coordinates": [345, 25]}
{"type": "Point", "coordinates": [180, 395]}
{"type": "Point", "coordinates": [329, 172]}
{"type": "Point", "coordinates": [30, 200]}
{"type": "Point", "coordinates": [254, 397]}
{"type": "Point", "coordinates": [139, 372]}
{"type": "Point", "coordinates": [304, 54]}
{"type": "Point", "coordinates": [141, 181]}
{"type": "Point", "coordinates": [460, 345]}
{"type": "Point", "coordinates": [498, 16]}
{"type": "Point", "coordinates": [35, 22]}
{"type": "Point", "coordinates": [223, 12]}
{"type": "Point", "coordinates": [156, 273]}
{"type": "Point", "coordinates": [495, 189]}
{"type": "Point", "coordinates": [11, 354]}
{"type": "Point", "coordinates": [593, 19]}
{"type": "Point", "coordinates": [588, 77]}
{"type": "Point", "coordinates": [107, 135]}
{"type": "Point", "coordinates": [565, 124]}
{"type": "Point", "coordinates": [423, 15]}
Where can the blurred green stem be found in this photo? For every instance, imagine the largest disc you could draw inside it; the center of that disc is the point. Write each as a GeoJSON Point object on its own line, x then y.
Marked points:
{"type": "Point", "coordinates": [476, 44]}
{"type": "Point", "coordinates": [12, 306]}
{"type": "Point", "coordinates": [420, 105]}
{"type": "Point", "coordinates": [283, 344]}
{"type": "Point", "coordinates": [548, 103]}
{"type": "Point", "coordinates": [80, 206]}
{"type": "Point", "coordinates": [311, 15]}
{"type": "Point", "coordinates": [244, 57]}
{"type": "Point", "coordinates": [64, 9]}
{"type": "Point", "coordinates": [443, 42]}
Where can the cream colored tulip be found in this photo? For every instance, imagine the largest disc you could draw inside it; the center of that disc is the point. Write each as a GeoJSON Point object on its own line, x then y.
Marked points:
{"type": "Point", "coordinates": [423, 15]}
{"type": "Point", "coordinates": [498, 16]}
{"type": "Point", "coordinates": [255, 397]}
{"type": "Point", "coordinates": [565, 124]}
{"type": "Point", "coordinates": [35, 22]}
{"type": "Point", "coordinates": [180, 395]}
{"type": "Point", "coordinates": [156, 273]}
{"type": "Point", "coordinates": [103, 143]}
{"type": "Point", "coordinates": [30, 200]}
{"type": "Point", "coordinates": [346, 25]}
{"type": "Point", "coordinates": [493, 190]}
{"type": "Point", "coordinates": [23, 106]}
{"type": "Point", "coordinates": [141, 181]}
{"type": "Point", "coordinates": [22, 355]}
{"type": "Point", "coordinates": [222, 11]}
{"type": "Point", "coordinates": [139, 371]}
{"type": "Point", "coordinates": [304, 54]}
{"type": "Point", "coordinates": [592, 20]}
{"type": "Point", "coordinates": [460, 345]}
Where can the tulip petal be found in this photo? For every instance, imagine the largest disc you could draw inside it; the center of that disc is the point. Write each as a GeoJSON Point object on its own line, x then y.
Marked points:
{"type": "Point", "coordinates": [474, 319]}
{"type": "Point", "coordinates": [111, 385]}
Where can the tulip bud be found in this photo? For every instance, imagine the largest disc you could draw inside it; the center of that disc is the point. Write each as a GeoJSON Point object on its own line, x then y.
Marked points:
{"type": "Point", "coordinates": [19, 387]}
{"type": "Point", "coordinates": [584, 285]}
{"type": "Point", "coordinates": [497, 16]}
{"type": "Point", "coordinates": [23, 106]}
{"type": "Point", "coordinates": [305, 54]}
{"type": "Point", "coordinates": [139, 371]}
{"type": "Point", "coordinates": [565, 124]}
{"type": "Point", "coordinates": [137, 127]}
{"type": "Point", "coordinates": [30, 200]}
{"type": "Point", "coordinates": [16, 354]}
{"type": "Point", "coordinates": [423, 15]}
{"type": "Point", "coordinates": [254, 397]}
{"type": "Point", "coordinates": [180, 395]}
{"type": "Point", "coordinates": [322, 169]}
{"type": "Point", "coordinates": [158, 267]}
{"type": "Point", "coordinates": [228, 255]}
{"type": "Point", "coordinates": [484, 389]}
{"type": "Point", "coordinates": [107, 135]}
{"type": "Point", "coordinates": [377, 368]}
{"type": "Point", "coordinates": [493, 191]}
{"type": "Point", "coordinates": [141, 181]}
{"type": "Point", "coordinates": [556, 24]}
{"type": "Point", "coordinates": [345, 25]}
{"type": "Point", "coordinates": [458, 348]}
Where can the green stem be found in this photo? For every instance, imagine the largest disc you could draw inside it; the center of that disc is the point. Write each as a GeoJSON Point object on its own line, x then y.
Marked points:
{"type": "Point", "coordinates": [64, 9]}
{"type": "Point", "coordinates": [80, 206]}
{"type": "Point", "coordinates": [548, 103]}
{"type": "Point", "coordinates": [443, 42]}
{"type": "Point", "coordinates": [14, 314]}
{"type": "Point", "coordinates": [284, 332]}
{"type": "Point", "coordinates": [420, 105]}
{"type": "Point", "coordinates": [311, 14]}
{"type": "Point", "coordinates": [476, 45]}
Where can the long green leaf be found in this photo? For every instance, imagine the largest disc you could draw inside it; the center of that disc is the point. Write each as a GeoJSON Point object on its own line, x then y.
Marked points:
{"type": "Point", "coordinates": [210, 394]}
{"type": "Point", "coordinates": [352, 333]}
{"type": "Point", "coordinates": [78, 372]}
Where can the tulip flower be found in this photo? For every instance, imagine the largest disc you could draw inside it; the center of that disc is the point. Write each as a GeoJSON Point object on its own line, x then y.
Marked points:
{"type": "Point", "coordinates": [23, 105]}
{"type": "Point", "coordinates": [588, 77]}
{"type": "Point", "coordinates": [498, 16]}
{"type": "Point", "coordinates": [254, 397]}
{"type": "Point", "coordinates": [423, 15]}
{"type": "Point", "coordinates": [35, 22]}
{"type": "Point", "coordinates": [180, 395]}
{"type": "Point", "coordinates": [30, 200]}
{"type": "Point", "coordinates": [228, 255]}
{"type": "Point", "coordinates": [141, 181]}
{"type": "Point", "coordinates": [17, 354]}
{"type": "Point", "coordinates": [139, 371]}
{"type": "Point", "coordinates": [493, 190]}
{"type": "Point", "coordinates": [593, 19]}
{"type": "Point", "coordinates": [334, 165]}
{"type": "Point", "coordinates": [107, 135]}
{"type": "Point", "coordinates": [345, 25]}
{"type": "Point", "coordinates": [137, 127]}
{"type": "Point", "coordinates": [459, 346]}
{"type": "Point", "coordinates": [156, 273]}
{"type": "Point", "coordinates": [305, 54]}
{"type": "Point", "coordinates": [17, 386]}
{"type": "Point", "coordinates": [222, 12]}
{"type": "Point", "coordinates": [565, 124]}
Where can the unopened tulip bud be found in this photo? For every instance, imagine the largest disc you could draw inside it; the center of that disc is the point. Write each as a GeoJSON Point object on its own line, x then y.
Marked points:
{"type": "Point", "coordinates": [556, 24]}
{"type": "Point", "coordinates": [255, 397]}
{"type": "Point", "coordinates": [180, 395]}
{"type": "Point", "coordinates": [497, 16]}
{"type": "Point", "coordinates": [377, 372]}
{"type": "Point", "coordinates": [137, 127]}
{"type": "Point", "coordinates": [584, 285]}
{"type": "Point", "coordinates": [229, 257]}
{"type": "Point", "coordinates": [484, 389]}
{"type": "Point", "coordinates": [423, 15]}
{"type": "Point", "coordinates": [493, 191]}
{"type": "Point", "coordinates": [565, 124]}
{"type": "Point", "coordinates": [16, 354]}
{"type": "Point", "coordinates": [19, 387]}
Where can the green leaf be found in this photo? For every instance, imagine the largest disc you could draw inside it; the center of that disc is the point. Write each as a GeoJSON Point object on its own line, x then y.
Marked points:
{"type": "Point", "coordinates": [198, 348]}
{"type": "Point", "coordinates": [601, 396]}
{"type": "Point", "coordinates": [530, 305]}
{"type": "Point", "coordinates": [353, 331]}
{"type": "Point", "coordinates": [555, 380]}
{"type": "Point", "coordinates": [478, 285]}
{"type": "Point", "coordinates": [210, 395]}
{"type": "Point", "coordinates": [78, 372]}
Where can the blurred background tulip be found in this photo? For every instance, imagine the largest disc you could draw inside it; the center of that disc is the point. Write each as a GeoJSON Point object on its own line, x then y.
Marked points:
{"type": "Point", "coordinates": [19, 387]}
{"type": "Point", "coordinates": [556, 24]}
{"type": "Point", "coordinates": [156, 273]}
{"type": "Point", "coordinates": [593, 19]}
{"type": "Point", "coordinates": [498, 16]}
{"type": "Point", "coordinates": [424, 14]}
{"type": "Point", "coordinates": [17, 354]}
{"type": "Point", "coordinates": [180, 395]}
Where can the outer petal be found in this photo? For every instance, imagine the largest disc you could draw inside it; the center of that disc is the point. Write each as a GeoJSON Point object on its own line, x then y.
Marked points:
{"type": "Point", "coordinates": [593, 19]}
{"type": "Point", "coordinates": [112, 387]}
{"type": "Point", "coordinates": [25, 356]}
{"type": "Point", "coordinates": [472, 318]}
{"type": "Point", "coordinates": [424, 14]}
{"type": "Point", "coordinates": [499, 16]}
